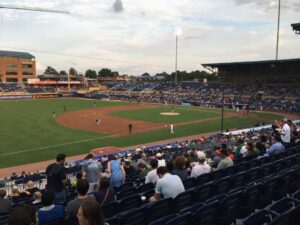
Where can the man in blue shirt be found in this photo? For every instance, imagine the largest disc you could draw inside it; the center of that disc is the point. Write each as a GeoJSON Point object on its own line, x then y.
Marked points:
{"type": "Point", "coordinates": [276, 148]}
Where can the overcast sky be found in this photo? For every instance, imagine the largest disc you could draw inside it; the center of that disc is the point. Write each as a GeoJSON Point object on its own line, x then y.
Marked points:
{"type": "Point", "coordinates": [137, 36]}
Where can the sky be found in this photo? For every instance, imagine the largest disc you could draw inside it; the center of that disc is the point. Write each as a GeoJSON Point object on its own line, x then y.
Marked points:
{"type": "Point", "coordinates": [137, 36]}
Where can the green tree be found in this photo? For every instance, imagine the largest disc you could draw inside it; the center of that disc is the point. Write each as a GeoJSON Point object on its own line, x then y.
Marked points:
{"type": "Point", "coordinates": [91, 74]}
{"type": "Point", "coordinates": [50, 71]}
{"type": "Point", "coordinates": [62, 72]}
{"type": "Point", "coordinates": [72, 71]}
{"type": "Point", "coordinates": [104, 73]}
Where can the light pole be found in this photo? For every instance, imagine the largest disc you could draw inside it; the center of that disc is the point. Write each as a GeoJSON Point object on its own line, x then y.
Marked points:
{"type": "Point", "coordinates": [177, 33]}
{"type": "Point", "coordinates": [176, 58]}
{"type": "Point", "coordinates": [278, 29]}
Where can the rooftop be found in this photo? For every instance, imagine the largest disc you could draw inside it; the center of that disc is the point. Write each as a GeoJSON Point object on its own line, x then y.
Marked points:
{"type": "Point", "coordinates": [16, 54]}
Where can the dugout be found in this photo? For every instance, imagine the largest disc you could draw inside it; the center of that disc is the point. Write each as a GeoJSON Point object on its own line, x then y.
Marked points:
{"type": "Point", "coordinates": [284, 71]}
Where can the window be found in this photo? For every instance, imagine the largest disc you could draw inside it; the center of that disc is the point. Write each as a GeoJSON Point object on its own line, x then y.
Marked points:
{"type": "Point", "coordinates": [11, 65]}
{"type": "Point", "coordinates": [25, 73]}
{"type": "Point", "coordinates": [25, 66]}
{"type": "Point", "coordinates": [11, 73]}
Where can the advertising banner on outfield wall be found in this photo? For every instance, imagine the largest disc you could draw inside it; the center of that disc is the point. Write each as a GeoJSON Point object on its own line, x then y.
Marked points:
{"type": "Point", "coordinates": [14, 97]}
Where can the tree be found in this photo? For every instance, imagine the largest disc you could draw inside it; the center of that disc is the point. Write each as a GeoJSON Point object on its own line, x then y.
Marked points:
{"type": "Point", "coordinates": [145, 75]}
{"type": "Point", "coordinates": [91, 74]}
{"type": "Point", "coordinates": [50, 71]}
{"type": "Point", "coordinates": [72, 71]}
{"type": "Point", "coordinates": [62, 72]}
{"type": "Point", "coordinates": [104, 73]}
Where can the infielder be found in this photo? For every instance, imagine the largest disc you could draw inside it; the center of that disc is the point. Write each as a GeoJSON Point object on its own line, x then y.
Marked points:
{"type": "Point", "coordinates": [172, 128]}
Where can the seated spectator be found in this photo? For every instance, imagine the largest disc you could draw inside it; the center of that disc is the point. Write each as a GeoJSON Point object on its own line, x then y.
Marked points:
{"type": "Point", "coordinates": [128, 167]}
{"type": "Point", "coordinates": [202, 167]}
{"type": "Point", "coordinates": [5, 203]}
{"type": "Point", "coordinates": [90, 213]}
{"type": "Point", "coordinates": [179, 169]}
{"type": "Point", "coordinates": [276, 148]}
{"type": "Point", "coordinates": [167, 185]}
{"type": "Point", "coordinates": [143, 169]}
{"type": "Point", "coordinates": [152, 176]}
{"type": "Point", "coordinates": [29, 191]}
{"type": "Point", "coordinates": [15, 194]}
{"type": "Point", "coordinates": [170, 166]}
{"type": "Point", "coordinates": [82, 188]}
{"type": "Point", "coordinates": [225, 160]}
{"type": "Point", "coordinates": [23, 215]}
{"type": "Point", "coordinates": [106, 193]}
{"type": "Point", "coordinates": [161, 161]}
{"type": "Point", "coordinates": [37, 197]}
{"type": "Point", "coordinates": [79, 176]}
{"type": "Point", "coordinates": [50, 212]}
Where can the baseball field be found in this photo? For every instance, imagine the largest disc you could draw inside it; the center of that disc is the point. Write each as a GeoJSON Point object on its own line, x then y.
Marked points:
{"type": "Point", "coordinates": [36, 130]}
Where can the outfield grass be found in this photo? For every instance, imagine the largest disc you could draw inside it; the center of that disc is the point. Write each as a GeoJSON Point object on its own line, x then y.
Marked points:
{"type": "Point", "coordinates": [153, 115]}
{"type": "Point", "coordinates": [28, 132]}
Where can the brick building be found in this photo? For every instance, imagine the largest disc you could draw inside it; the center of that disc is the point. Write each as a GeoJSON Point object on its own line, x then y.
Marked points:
{"type": "Point", "coordinates": [16, 66]}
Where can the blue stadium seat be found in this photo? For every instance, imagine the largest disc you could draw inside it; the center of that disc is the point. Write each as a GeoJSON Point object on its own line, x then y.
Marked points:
{"type": "Point", "coordinates": [284, 205]}
{"type": "Point", "coordinates": [261, 218]}
{"type": "Point", "coordinates": [202, 193]}
{"type": "Point", "coordinates": [133, 201]}
{"type": "Point", "coordinates": [253, 174]}
{"type": "Point", "coordinates": [265, 192]}
{"type": "Point", "coordinates": [134, 216]}
{"type": "Point", "coordinates": [158, 209]}
{"type": "Point", "coordinates": [238, 180]}
{"type": "Point", "coordinates": [182, 200]}
{"type": "Point", "coordinates": [221, 186]}
{"type": "Point", "coordinates": [163, 220]}
{"type": "Point", "coordinates": [126, 192]}
{"type": "Point", "coordinates": [145, 187]}
{"type": "Point", "coordinates": [183, 219]}
{"type": "Point", "coordinates": [283, 219]}
{"type": "Point", "coordinates": [247, 202]}
{"type": "Point", "coordinates": [203, 179]}
{"type": "Point", "coordinates": [227, 209]}
{"type": "Point", "coordinates": [189, 183]}
{"type": "Point", "coordinates": [206, 214]}
{"type": "Point", "coordinates": [110, 209]}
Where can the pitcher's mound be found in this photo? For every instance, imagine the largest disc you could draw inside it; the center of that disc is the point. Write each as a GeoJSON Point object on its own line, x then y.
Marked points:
{"type": "Point", "coordinates": [104, 150]}
{"type": "Point", "coordinates": [170, 114]}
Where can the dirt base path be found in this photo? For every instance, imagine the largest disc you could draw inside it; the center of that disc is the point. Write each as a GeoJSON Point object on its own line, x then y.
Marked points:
{"type": "Point", "coordinates": [85, 119]}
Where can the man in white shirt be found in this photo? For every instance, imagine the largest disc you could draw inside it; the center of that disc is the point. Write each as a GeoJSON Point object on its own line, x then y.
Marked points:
{"type": "Point", "coordinates": [168, 186]}
{"type": "Point", "coordinates": [285, 133]}
{"type": "Point", "coordinates": [152, 176]}
{"type": "Point", "coordinates": [161, 161]}
{"type": "Point", "coordinates": [202, 167]}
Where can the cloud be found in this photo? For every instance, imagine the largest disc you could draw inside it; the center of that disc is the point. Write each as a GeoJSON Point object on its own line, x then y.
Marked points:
{"type": "Point", "coordinates": [118, 6]}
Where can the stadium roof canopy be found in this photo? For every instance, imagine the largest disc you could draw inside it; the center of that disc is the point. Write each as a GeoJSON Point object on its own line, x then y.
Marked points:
{"type": "Point", "coordinates": [16, 54]}
{"type": "Point", "coordinates": [249, 63]}
{"type": "Point", "coordinates": [296, 27]}
{"type": "Point", "coordinates": [284, 70]}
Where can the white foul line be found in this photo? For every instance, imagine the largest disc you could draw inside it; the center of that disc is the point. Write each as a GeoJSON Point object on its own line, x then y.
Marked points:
{"type": "Point", "coordinates": [53, 146]}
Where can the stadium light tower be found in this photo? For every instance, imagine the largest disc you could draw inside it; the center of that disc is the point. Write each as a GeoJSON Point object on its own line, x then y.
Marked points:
{"type": "Point", "coordinates": [278, 29]}
{"type": "Point", "coordinates": [177, 33]}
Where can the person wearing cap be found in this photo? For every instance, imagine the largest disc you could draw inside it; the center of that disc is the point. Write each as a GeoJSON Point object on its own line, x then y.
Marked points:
{"type": "Point", "coordinates": [225, 160]}
{"type": "Point", "coordinates": [201, 167]}
{"type": "Point", "coordinates": [161, 161]}
{"type": "Point", "coordinates": [285, 133]}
